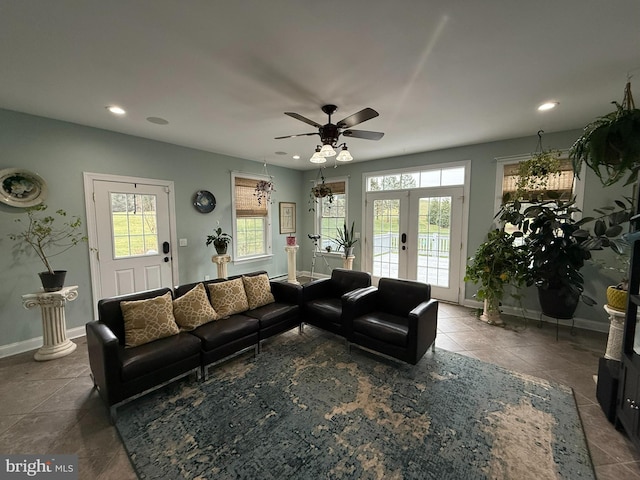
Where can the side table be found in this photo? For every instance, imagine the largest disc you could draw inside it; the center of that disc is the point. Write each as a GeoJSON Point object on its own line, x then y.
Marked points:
{"type": "Point", "coordinates": [54, 327]}
{"type": "Point", "coordinates": [221, 261]}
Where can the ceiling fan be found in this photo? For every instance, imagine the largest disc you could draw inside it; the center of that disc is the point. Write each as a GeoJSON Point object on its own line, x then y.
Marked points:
{"type": "Point", "coordinates": [330, 133]}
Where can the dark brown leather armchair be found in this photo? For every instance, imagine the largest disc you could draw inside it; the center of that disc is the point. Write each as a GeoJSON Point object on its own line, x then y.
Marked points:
{"type": "Point", "coordinates": [322, 299]}
{"type": "Point", "coordinates": [398, 318]}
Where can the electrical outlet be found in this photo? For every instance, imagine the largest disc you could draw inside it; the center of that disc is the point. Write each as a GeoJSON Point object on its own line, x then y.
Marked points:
{"type": "Point", "coordinates": [207, 277]}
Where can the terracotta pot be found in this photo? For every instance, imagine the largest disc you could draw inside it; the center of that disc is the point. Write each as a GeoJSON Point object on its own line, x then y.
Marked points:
{"type": "Point", "coordinates": [617, 299]}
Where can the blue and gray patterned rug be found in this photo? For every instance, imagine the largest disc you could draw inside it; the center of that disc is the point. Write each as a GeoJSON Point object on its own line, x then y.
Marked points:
{"type": "Point", "coordinates": [307, 409]}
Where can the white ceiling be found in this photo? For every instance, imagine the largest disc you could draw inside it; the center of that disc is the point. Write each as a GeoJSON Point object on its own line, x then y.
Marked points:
{"type": "Point", "coordinates": [440, 73]}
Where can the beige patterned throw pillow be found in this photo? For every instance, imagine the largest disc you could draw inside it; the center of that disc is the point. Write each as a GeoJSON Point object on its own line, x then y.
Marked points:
{"type": "Point", "coordinates": [148, 320]}
{"type": "Point", "coordinates": [193, 309]}
{"type": "Point", "coordinates": [258, 290]}
{"type": "Point", "coordinates": [228, 297]}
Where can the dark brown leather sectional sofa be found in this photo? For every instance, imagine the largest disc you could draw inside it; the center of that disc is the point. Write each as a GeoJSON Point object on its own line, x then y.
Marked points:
{"type": "Point", "coordinates": [344, 304]}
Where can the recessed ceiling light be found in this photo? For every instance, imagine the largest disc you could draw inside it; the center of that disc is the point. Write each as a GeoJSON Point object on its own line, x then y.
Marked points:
{"type": "Point", "coordinates": [158, 120]}
{"type": "Point", "coordinates": [296, 157]}
{"type": "Point", "coordinates": [116, 110]}
{"type": "Point", "coordinates": [548, 106]}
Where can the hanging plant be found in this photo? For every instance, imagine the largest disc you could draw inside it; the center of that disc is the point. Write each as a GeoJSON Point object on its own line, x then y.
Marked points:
{"type": "Point", "coordinates": [320, 190]}
{"type": "Point", "coordinates": [610, 145]}
{"type": "Point", "coordinates": [535, 173]}
{"type": "Point", "coordinates": [264, 188]}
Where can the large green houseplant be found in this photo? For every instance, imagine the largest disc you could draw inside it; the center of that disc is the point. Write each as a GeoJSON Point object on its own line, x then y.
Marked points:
{"type": "Point", "coordinates": [497, 265]}
{"type": "Point", "coordinates": [610, 145]}
{"type": "Point", "coordinates": [558, 245]}
{"type": "Point", "coordinates": [48, 236]}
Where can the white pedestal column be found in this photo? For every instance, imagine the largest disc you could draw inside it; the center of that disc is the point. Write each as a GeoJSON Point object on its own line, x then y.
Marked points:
{"type": "Point", "coordinates": [221, 262]}
{"type": "Point", "coordinates": [291, 250]}
{"type": "Point", "coordinates": [54, 327]}
{"type": "Point", "coordinates": [347, 262]}
{"type": "Point", "coordinates": [616, 329]}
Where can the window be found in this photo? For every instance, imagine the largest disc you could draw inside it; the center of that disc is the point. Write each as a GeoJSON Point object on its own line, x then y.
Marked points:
{"type": "Point", "coordinates": [134, 221]}
{"type": "Point", "coordinates": [432, 177]}
{"type": "Point", "coordinates": [252, 220]}
{"type": "Point", "coordinates": [332, 216]}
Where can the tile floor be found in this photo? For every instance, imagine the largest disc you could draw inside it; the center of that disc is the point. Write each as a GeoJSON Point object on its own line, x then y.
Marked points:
{"type": "Point", "coordinates": [50, 407]}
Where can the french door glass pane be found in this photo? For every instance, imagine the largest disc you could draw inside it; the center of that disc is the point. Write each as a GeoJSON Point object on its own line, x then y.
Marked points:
{"type": "Point", "coordinates": [434, 238]}
{"type": "Point", "coordinates": [386, 232]}
{"type": "Point", "coordinates": [134, 225]}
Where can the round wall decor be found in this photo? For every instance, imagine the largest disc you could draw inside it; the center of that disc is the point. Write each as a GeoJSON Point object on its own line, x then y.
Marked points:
{"type": "Point", "coordinates": [21, 188]}
{"type": "Point", "coordinates": [204, 201]}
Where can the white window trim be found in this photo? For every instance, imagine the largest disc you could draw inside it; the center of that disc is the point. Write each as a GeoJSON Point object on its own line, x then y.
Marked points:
{"type": "Point", "coordinates": [234, 227]}
{"type": "Point", "coordinates": [316, 226]}
{"type": "Point", "coordinates": [578, 184]}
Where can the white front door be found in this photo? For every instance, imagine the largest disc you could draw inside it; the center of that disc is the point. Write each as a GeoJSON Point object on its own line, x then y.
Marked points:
{"type": "Point", "coordinates": [416, 234]}
{"type": "Point", "coordinates": [132, 236]}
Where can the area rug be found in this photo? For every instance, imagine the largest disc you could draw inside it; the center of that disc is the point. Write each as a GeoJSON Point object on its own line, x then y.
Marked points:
{"type": "Point", "coordinates": [305, 408]}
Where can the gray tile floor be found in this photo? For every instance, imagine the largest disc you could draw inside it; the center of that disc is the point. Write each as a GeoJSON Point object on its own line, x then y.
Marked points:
{"type": "Point", "coordinates": [50, 407]}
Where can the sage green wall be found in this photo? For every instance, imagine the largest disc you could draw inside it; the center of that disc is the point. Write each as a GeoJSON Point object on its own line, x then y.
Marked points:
{"type": "Point", "coordinates": [481, 201]}
{"type": "Point", "coordinates": [60, 152]}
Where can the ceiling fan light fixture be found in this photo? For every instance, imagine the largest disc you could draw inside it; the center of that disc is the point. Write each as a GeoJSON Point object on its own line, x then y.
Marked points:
{"type": "Point", "coordinates": [344, 155]}
{"type": "Point", "coordinates": [316, 157]}
{"type": "Point", "coordinates": [327, 151]}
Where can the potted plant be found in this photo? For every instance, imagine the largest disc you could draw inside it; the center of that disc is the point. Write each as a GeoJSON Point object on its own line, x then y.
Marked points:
{"type": "Point", "coordinates": [535, 173]}
{"type": "Point", "coordinates": [558, 245]}
{"type": "Point", "coordinates": [346, 239]}
{"type": "Point", "coordinates": [320, 190]}
{"type": "Point", "coordinates": [497, 264]}
{"type": "Point", "coordinates": [264, 189]}
{"type": "Point", "coordinates": [220, 240]}
{"type": "Point", "coordinates": [610, 145]}
{"type": "Point", "coordinates": [48, 238]}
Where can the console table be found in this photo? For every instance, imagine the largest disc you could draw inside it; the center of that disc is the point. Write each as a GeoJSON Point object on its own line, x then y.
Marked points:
{"type": "Point", "coordinates": [54, 328]}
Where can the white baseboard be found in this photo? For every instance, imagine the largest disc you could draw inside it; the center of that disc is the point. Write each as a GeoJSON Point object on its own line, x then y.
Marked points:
{"type": "Point", "coordinates": [34, 343]}
{"type": "Point", "coordinates": [583, 323]}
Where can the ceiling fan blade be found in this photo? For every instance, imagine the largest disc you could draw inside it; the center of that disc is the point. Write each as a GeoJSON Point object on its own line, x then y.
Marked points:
{"type": "Point", "coordinates": [367, 135]}
{"type": "Point", "coordinates": [298, 135]}
{"type": "Point", "coordinates": [358, 117]}
{"type": "Point", "coordinates": [297, 116]}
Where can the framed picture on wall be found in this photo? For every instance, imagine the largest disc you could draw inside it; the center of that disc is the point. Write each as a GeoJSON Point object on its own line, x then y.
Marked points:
{"type": "Point", "coordinates": [287, 217]}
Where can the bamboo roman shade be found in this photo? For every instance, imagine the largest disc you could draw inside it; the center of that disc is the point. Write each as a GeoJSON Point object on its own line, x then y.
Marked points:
{"type": "Point", "coordinates": [562, 183]}
{"type": "Point", "coordinates": [337, 188]}
{"type": "Point", "coordinates": [246, 201]}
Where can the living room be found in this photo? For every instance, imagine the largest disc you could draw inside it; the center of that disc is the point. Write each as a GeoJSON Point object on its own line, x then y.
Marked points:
{"type": "Point", "coordinates": [258, 89]}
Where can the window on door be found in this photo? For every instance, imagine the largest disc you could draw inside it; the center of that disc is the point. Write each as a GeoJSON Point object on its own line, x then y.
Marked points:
{"type": "Point", "coordinates": [331, 215]}
{"type": "Point", "coordinates": [134, 220]}
{"type": "Point", "coordinates": [252, 219]}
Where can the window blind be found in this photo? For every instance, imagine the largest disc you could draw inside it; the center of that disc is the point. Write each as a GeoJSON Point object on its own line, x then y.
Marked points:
{"type": "Point", "coordinates": [246, 201]}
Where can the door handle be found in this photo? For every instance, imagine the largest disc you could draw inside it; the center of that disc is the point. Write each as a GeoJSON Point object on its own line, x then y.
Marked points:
{"type": "Point", "coordinates": [165, 247]}
{"type": "Point", "coordinates": [403, 238]}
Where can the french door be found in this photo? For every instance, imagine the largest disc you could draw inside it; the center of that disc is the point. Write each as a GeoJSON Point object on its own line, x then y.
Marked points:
{"type": "Point", "coordinates": [416, 234]}
{"type": "Point", "coordinates": [132, 235]}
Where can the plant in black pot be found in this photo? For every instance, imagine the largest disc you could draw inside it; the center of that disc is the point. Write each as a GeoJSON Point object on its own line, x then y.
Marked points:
{"type": "Point", "coordinates": [220, 240]}
{"type": "Point", "coordinates": [48, 236]}
{"type": "Point", "coordinates": [558, 245]}
{"type": "Point", "coordinates": [497, 265]}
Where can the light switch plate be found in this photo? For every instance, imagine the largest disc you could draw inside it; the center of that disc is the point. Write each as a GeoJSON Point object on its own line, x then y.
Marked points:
{"type": "Point", "coordinates": [183, 242]}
